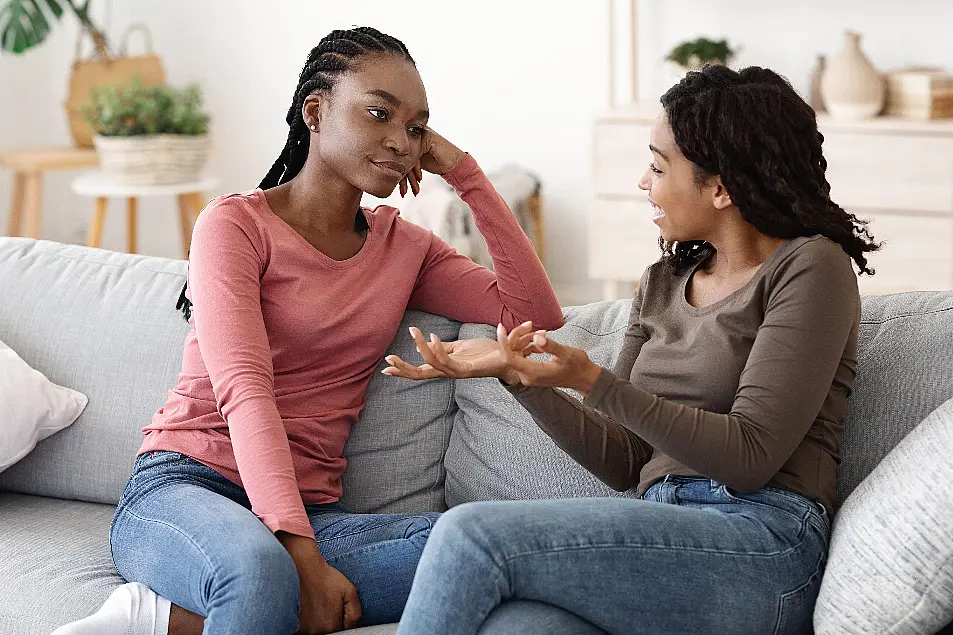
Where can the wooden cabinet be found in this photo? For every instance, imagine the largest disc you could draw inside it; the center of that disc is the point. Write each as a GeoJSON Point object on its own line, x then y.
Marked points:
{"type": "Point", "coordinates": [897, 173]}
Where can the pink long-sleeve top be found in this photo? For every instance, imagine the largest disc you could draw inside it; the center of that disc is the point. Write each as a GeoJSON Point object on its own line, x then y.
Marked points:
{"type": "Point", "coordinates": [284, 339]}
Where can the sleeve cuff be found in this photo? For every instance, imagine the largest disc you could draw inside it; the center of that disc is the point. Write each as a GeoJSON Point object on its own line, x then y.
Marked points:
{"type": "Point", "coordinates": [514, 389]}
{"type": "Point", "coordinates": [294, 526]}
{"type": "Point", "coordinates": [467, 174]}
{"type": "Point", "coordinates": [598, 392]}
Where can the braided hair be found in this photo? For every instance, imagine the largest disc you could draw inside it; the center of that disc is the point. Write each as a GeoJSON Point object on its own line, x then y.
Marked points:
{"type": "Point", "coordinates": [336, 54]}
{"type": "Point", "coordinates": [753, 130]}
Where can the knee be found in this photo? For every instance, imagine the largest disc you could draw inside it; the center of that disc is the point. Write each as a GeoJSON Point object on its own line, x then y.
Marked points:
{"type": "Point", "coordinates": [467, 523]}
{"type": "Point", "coordinates": [263, 569]}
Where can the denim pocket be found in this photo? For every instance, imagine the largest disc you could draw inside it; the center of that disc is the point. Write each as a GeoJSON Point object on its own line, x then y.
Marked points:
{"type": "Point", "coordinates": [796, 608]}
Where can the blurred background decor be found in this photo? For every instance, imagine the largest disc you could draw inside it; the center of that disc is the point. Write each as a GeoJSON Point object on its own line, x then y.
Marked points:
{"type": "Point", "coordinates": [149, 135]}
{"type": "Point", "coordinates": [850, 86]}
{"type": "Point", "coordinates": [692, 55]}
{"type": "Point", "coordinates": [25, 24]}
{"type": "Point", "coordinates": [924, 92]}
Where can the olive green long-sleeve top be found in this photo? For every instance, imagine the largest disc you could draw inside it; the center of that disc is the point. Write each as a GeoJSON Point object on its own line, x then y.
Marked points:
{"type": "Point", "coordinates": [750, 391]}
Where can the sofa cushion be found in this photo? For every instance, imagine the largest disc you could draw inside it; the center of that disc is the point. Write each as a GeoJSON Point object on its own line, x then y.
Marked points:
{"type": "Point", "coordinates": [396, 449]}
{"type": "Point", "coordinates": [105, 324]}
{"type": "Point", "coordinates": [904, 349]}
{"type": "Point", "coordinates": [32, 407]}
{"type": "Point", "coordinates": [496, 450]}
{"type": "Point", "coordinates": [891, 563]}
{"type": "Point", "coordinates": [55, 562]}
{"type": "Point", "coordinates": [101, 323]}
{"type": "Point", "coordinates": [55, 565]}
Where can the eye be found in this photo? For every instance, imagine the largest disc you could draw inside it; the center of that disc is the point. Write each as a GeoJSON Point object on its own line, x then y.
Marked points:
{"type": "Point", "coordinates": [378, 113]}
{"type": "Point", "coordinates": [417, 131]}
{"type": "Point", "coordinates": [654, 168]}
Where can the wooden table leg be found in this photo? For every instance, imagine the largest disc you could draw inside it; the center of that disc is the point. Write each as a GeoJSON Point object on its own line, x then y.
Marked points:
{"type": "Point", "coordinates": [16, 205]}
{"type": "Point", "coordinates": [131, 206]}
{"type": "Point", "coordinates": [185, 223]}
{"type": "Point", "coordinates": [96, 227]}
{"type": "Point", "coordinates": [32, 203]}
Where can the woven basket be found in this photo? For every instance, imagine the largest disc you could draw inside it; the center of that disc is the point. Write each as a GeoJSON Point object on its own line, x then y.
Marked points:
{"type": "Point", "coordinates": [154, 159]}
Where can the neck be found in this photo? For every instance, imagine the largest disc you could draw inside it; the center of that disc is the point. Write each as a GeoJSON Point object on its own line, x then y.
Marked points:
{"type": "Point", "coordinates": [319, 199]}
{"type": "Point", "coordinates": [741, 247]}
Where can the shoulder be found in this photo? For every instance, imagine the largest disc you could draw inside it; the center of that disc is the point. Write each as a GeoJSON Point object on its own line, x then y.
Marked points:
{"type": "Point", "coordinates": [403, 230]}
{"type": "Point", "coordinates": [231, 219]}
{"type": "Point", "coordinates": [812, 256]}
{"type": "Point", "coordinates": [816, 267]}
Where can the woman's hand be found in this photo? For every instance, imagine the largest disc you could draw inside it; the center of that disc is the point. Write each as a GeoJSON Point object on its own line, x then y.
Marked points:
{"type": "Point", "coordinates": [437, 155]}
{"type": "Point", "coordinates": [329, 602]}
{"type": "Point", "coordinates": [464, 358]}
{"type": "Point", "coordinates": [507, 358]}
{"type": "Point", "coordinates": [566, 367]}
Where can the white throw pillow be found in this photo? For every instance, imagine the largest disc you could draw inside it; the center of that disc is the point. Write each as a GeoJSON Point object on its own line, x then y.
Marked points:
{"type": "Point", "coordinates": [891, 560]}
{"type": "Point", "coordinates": [31, 407]}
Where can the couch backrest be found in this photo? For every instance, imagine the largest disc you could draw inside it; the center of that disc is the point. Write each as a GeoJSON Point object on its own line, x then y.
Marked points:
{"type": "Point", "coordinates": [904, 372]}
{"type": "Point", "coordinates": [105, 324]}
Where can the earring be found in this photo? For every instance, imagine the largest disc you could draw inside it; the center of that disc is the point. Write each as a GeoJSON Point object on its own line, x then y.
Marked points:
{"type": "Point", "coordinates": [314, 127]}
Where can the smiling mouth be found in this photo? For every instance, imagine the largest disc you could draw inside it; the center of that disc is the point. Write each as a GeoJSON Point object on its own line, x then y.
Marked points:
{"type": "Point", "coordinates": [392, 168]}
{"type": "Point", "coordinates": [657, 212]}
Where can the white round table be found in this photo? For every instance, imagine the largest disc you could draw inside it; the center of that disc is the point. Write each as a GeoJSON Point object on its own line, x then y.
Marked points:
{"type": "Point", "coordinates": [102, 186]}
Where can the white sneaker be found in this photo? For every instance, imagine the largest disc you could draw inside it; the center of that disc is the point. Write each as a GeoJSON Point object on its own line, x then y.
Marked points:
{"type": "Point", "coordinates": [132, 609]}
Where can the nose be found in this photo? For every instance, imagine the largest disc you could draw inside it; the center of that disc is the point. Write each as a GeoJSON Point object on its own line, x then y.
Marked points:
{"type": "Point", "coordinates": [398, 141]}
{"type": "Point", "coordinates": [645, 183]}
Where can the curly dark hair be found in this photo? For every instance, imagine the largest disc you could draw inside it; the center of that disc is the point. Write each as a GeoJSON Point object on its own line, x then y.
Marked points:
{"type": "Point", "coordinates": [753, 130]}
{"type": "Point", "coordinates": [337, 53]}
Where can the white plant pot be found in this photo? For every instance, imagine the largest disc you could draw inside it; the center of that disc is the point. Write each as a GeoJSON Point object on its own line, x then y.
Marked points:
{"type": "Point", "coordinates": [153, 159]}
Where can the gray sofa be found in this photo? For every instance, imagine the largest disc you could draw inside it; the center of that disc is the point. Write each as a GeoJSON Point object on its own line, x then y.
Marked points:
{"type": "Point", "coordinates": [104, 323]}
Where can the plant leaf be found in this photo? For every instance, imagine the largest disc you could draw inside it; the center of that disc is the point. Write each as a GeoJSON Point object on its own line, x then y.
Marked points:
{"type": "Point", "coordinates": [23, 24]}
{"type": "Point", "coordinates": [55, 8]}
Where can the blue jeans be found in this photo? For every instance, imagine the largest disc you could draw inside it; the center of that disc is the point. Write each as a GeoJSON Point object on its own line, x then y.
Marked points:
{"type": "Point", "coordinates": [692, 556]}
{"type": "Point", "coordinates": [188, 533]}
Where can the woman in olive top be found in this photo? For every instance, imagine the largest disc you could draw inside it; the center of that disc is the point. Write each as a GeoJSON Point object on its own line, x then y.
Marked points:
{"type": "Point", "coordinates": [725, 408]}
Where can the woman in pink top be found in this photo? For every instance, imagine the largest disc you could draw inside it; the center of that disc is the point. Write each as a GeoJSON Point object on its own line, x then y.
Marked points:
{"type": "Point", "coordinates": [231, 520]}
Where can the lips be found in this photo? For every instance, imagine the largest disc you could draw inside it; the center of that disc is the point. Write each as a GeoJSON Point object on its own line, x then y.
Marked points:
{"type": "Point", "coordinates": [657, 212]}
{"type": "Point", "coordinates": [393, 168]}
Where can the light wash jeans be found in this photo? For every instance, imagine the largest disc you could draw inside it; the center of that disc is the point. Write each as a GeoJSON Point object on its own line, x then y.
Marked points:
{"type": "Point", "coordinates": [692, 557]}
{"type": "Point", "coordinates": [188, 533]}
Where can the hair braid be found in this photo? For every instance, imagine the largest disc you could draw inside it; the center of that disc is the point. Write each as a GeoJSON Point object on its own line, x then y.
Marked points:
{"type": "Point", "coordinates": [336, 54]}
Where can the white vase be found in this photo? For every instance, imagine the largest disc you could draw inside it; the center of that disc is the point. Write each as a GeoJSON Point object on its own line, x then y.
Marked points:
{"type": "Point", "coordinates": [850, 85]}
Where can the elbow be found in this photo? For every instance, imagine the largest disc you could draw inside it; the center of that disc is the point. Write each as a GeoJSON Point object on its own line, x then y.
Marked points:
{"type": "Point", "coordinates": [551, 320]}
{"type": "Point", "coordinates": [623, 484]}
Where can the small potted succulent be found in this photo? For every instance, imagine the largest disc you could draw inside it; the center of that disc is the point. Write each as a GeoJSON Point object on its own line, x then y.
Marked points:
{"type": "Point", "coordinates": [692, 55]}
{"type": "Point", "coordinates": [149, 135]}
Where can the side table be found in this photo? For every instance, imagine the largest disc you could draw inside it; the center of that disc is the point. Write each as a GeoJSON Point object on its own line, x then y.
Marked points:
{"type": "Point", "coordinates": [102, 186]}
{"type": "Point", "coordinates": [28, 166]}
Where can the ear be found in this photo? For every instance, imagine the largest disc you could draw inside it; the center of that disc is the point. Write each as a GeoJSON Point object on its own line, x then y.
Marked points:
{"type": "Point", "coordinates": [721, 199]}
{"type": "Point", "coordinates": [311, 112]}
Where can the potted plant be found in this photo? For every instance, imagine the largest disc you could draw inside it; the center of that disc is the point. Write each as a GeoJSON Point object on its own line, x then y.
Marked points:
{"type": "Point", "coordinates": [149, 135]}
{"type": "Point", "coordinates": [692, 55]}
{"type": "Point", "coordinates": [26, 23]}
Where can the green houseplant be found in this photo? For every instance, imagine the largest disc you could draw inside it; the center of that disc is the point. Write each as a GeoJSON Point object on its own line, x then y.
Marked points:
{"type": "Point", "coordinates": [149, 134]}
{"type": "Point", "coordinates": [25, 24]}
{"type": "Point", "coordinates": [694, 54]}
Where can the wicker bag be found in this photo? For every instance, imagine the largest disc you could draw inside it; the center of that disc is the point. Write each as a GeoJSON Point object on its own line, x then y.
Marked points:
{"type": "Point", "coordinates": [90, 73]}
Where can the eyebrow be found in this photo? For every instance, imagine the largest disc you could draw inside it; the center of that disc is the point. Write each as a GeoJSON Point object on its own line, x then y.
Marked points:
{"type": "Point", "coordinates": [658, 152]}
{"type": "Point", "coordinates": [392, 100]}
